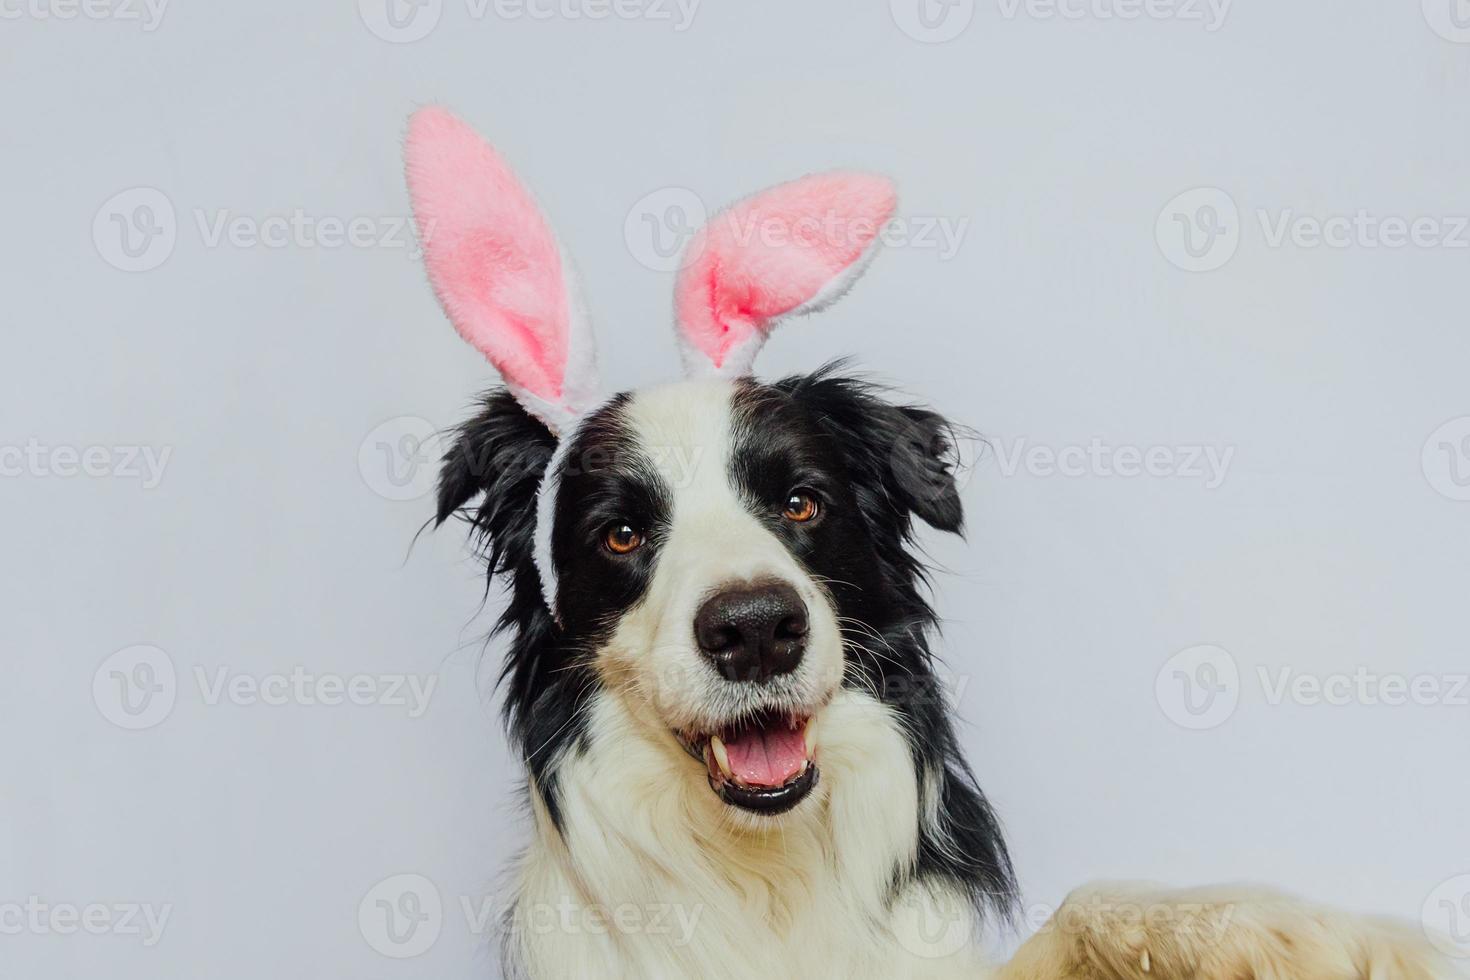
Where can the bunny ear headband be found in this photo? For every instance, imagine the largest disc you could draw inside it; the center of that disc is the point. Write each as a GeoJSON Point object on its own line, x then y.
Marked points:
{"type": "Point", "coordinates": [507, 286]}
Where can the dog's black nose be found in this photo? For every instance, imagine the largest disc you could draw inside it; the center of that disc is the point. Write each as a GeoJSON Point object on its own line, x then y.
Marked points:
{"type": "Point", "coordinates": [752, 632]}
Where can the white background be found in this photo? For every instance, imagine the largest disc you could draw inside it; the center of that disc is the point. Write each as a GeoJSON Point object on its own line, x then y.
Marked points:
{"type": "Point", "coordinates": [271, 541]}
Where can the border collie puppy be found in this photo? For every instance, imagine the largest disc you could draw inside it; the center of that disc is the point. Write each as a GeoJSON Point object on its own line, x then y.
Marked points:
{"type": "Point", "coordinates": [739, 758]}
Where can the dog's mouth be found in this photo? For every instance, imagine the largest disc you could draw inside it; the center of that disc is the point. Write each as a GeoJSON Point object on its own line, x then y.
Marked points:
{"type": "Point", "coordinates": [765, 763]}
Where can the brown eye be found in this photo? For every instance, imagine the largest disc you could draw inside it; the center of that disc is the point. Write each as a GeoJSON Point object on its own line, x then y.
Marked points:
{"type": "Point", "coordinates": [800, 507]}
{"type": "Point", "coordinates": [622, 539]}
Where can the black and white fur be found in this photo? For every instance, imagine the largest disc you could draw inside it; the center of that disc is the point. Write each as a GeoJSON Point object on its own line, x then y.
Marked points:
{"type": "Point", "coordinates": [624, 816]}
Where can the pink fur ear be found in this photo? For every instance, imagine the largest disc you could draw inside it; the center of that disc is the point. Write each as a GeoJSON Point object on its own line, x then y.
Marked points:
{"type": "Point", "coordinates": [497, 268]}
{"type": "Point", "coordinates": [788, 250]}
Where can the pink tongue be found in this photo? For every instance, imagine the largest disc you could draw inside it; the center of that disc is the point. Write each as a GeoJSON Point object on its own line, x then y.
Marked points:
{"type": "Point", "coordinates": [767, 757]}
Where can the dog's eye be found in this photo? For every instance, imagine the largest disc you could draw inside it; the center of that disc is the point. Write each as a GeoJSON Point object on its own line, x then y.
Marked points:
{"type": "Point", "coordinates": [801, 507]}
{"type": "Point", "coordinates": [622, 539]}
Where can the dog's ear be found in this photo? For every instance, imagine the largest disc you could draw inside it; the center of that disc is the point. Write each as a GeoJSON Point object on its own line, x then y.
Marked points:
{"type": "Point", "coordinates": [922, 467]}
{"type": "Point", "coordinates": [906, 454]}
{"type": "Point", "coordinates": [499, 456]}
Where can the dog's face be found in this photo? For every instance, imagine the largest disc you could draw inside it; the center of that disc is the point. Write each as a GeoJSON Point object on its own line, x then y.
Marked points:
{"type": "Point", "coordinates": [725, 556]}
{"type": "Point", "coordinates": [697, 527]}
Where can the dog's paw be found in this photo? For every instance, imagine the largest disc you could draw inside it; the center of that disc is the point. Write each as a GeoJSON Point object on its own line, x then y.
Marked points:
{"type": "Point", "coordinates": [1129, 932]}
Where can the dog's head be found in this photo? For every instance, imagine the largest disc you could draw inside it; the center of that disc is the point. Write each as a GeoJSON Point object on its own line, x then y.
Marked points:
{"type": "Point", "coordinates": [719, 555]}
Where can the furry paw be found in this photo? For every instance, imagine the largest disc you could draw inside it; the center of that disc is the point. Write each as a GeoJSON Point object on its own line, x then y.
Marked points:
{"type": "Point", "coordinates": [1128, 932]}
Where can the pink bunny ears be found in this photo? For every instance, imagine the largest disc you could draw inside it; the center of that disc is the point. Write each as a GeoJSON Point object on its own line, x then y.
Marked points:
{"type": "Point", "coordinates": [507, 287]}
{"type": "Point", "coordinates": [497, 268]}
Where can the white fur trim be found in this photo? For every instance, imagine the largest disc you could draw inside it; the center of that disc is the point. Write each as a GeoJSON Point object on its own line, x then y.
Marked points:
{"type": "Point", "coordinates": [546, 513]}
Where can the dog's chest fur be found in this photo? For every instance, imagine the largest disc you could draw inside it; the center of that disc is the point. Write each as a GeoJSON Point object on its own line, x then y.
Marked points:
{"type": "Point", "coordinates": [648, 879]}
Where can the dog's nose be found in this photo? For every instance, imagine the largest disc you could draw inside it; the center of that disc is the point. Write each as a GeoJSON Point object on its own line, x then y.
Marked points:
{"type": "Point", "coordinates": [752, 632]}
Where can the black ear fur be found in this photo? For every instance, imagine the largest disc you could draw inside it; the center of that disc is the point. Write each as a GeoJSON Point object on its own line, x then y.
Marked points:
{"type": "Point", "coordinates": [923, 468]}
{"type": "Point", "coordinates": [500, 454]}
{"type": "Point", "coordinates": [909, 449]}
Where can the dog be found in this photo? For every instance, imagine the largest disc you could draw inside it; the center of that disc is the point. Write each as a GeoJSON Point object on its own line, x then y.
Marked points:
{"type": "Point", "coordinates": [739, 759]}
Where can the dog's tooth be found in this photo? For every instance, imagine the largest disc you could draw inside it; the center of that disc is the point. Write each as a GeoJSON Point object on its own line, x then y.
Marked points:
{"type": "Point", "coordinates": [721, 757]}
{"type": "Point", "coordinates": [1147, 966]}
{"type": "Point", "coordinates": [809, 737]}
